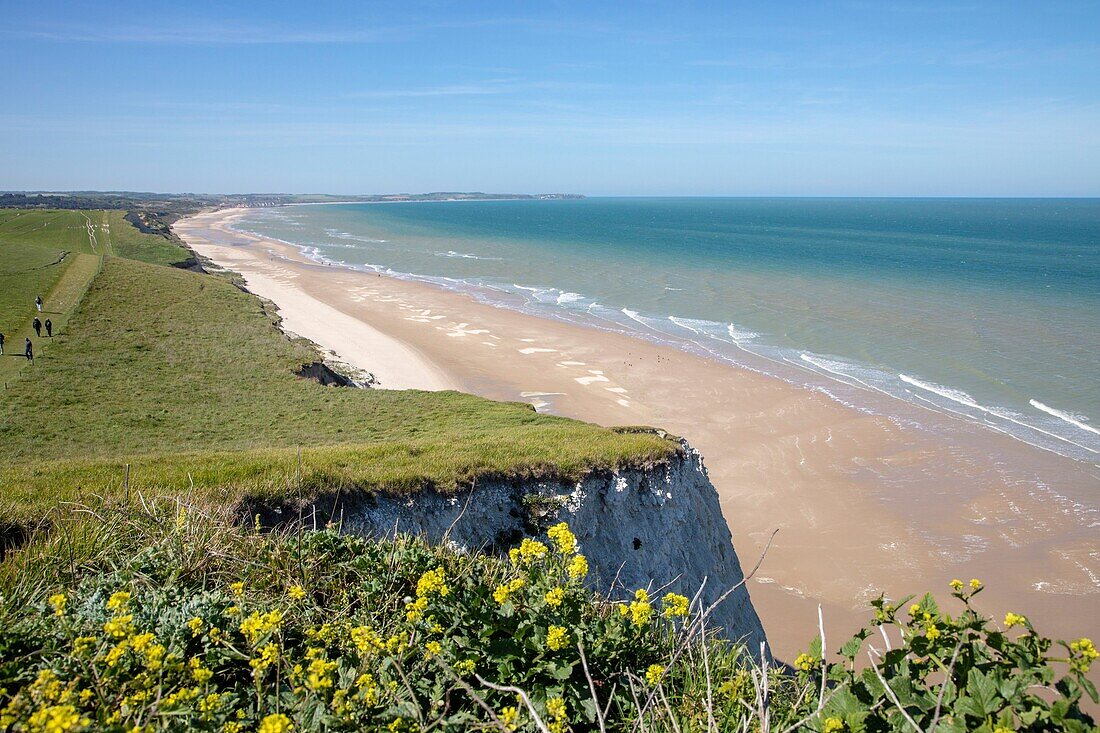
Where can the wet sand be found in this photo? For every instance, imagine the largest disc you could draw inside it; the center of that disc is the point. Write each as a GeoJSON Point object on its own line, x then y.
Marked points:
{"type": "Point", "coordinates": [863, 503]}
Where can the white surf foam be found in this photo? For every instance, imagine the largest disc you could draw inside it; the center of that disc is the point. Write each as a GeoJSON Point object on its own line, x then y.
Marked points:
{"type": "Point", "coordinates": [1075, 420]}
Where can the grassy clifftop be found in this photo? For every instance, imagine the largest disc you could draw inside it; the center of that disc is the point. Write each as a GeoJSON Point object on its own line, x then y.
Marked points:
{"type": "Point", "coordinates": [187, 378]}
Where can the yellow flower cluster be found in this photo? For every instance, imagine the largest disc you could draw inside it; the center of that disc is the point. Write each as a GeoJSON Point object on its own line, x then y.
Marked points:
{"type": "Point", "coordinates": [196, 625]}
{"type": "Point", "coordinates": [199, 673]}
{"type": "Point", "coordinates": [563, 538]}
{"type": "Point", "coordinates": [277, 723]}
{"type": "Point", "coordinates": [319, 674]}
{"type": "Point", "coordinates": [805, 662]}
{"type": "Point", "coordinates": [931, 632]}
{"type": "Point", "coordinates": [433, 581]}
{"type": "Point", "coordinates": [296, 593]}
{"type": "Point", "coordinates": [556, 711]}
{"type": "Point", "coordinates": [433, 648]}
{"type": "Point", "coordinates": [1014, 619]}
{"type": "Point", "coordinates": [368, 690]}
{"type": "Point", "coordinates": [118, 602]}
{"type": "Point", "coordinates": [557, 638]}
{"type": "Point", "coordinates": [555, 596]}
{"type": "Point", "coordinates": [956, 585]}
{"type": "Point", "coordinates": [639, 609]}
{"type": "Point", "coordinates": [259, 625]}
{"type": "Point", "coordinates": [268, 655]}
{"type": "Point", "coordinates": [57, 719]}
{"type": "Point", "coordinates": [509, 717]}
{"type": "Point", "coordinates": [654, 674]}
{"type": "Point", "coordinates": [833, 725]}
{"type": "Point", "coordinates": [1084, 654]}
{"type": "Point", "coordinates": [975, 584]}
{"type": "Point", "coordinates": [58, 601]}
{"type": "Point", "coordinates": [465, 667]}
{"type": "Point", "coordinates": [504, 591]}
{"type": "Point", "coordinates": [366, 640]}
{"type": "Point", "coordinates": [578, 567]}
{"type": "Point", "coordinates": [675, 605]}
{"type": "Point", "coordinates": [528, 551]}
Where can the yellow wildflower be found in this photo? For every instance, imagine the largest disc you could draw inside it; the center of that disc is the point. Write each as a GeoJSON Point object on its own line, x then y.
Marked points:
{"type": "Point", "coordinates": [675, 605]}
{"type": "Point", "coordinates": [975, 584]}
{"type": "Point", "coordinates": [1085, 654]}
{"type": "Point", "coordinates": [320, 674]}
{"type": "Point", "coordinates": [956, 585]}
{"type": "Point", "coordinates": [564, 540]}
{"type": "Point", "coordinates": [931, 632]}
{"type": "Point", "coordinates": [432, 581]}
{"type": "Point", "coordinates": [237, 588]}
{"type": "Point", "coordinates": [119, 627]}
{"type": "Point", "coordinates": [466, 667]}
{"type": "Point", "coordinates": [1002, 729]}
{"type": "Point", "coordinates": [654, 674]}
{"type": "Point", "coordinates": [509, 716]}
{"type": "Point", "coordinates": [139, 642]}
{"type": "Point", "coordinates": [196, 625]}
{"type": "Point", "coordinates": [232, 727]}
{"type": "Point", "coordinates": [504, 591]}
{"type": "Point", "coordinates": [200, 673]}
{"type": "Point", "coordinates": [1014, 619]}
{"type": "Point", "coordinates": [181, 697]}
{"type": "Point", "coordinates": [555, 710]}
{"type": "Point", "coordinates": [914, 610]}
{"type": "Point", "coordinates": [366, 640]}
{"type": "Point", "coordinates": [58, 601]}
{"type": "Point", "coordinates": [557, 637]}
{"type": "Point", "coordinates": [578, 567]}
{"type": "Point", "coordinates": [119, 601]}
{"type": "Point", "coordinates": [277, 723]}
{"type": "Point", "coordinates": [805, 662]}
{"type": "Point", "coordinates": [210, 703]}
{"type": "Point", "coordinates": [833, 725]}
{"type": "Point", "coordinates": [258, 625]}
{"type": "Point", "coordinates": [640, 608]}
{"type": "Point", "coordinates": [268, 655]}
{"type": "Point", "coordinates": [555, 597]}
{"type": "Point", "coordinates": [529, 551]}
{"type": "Point", "coordinates": [154, 656]}
{"type": "Point", "coordinates": [116, 653]}
{"type": "Point", "coordinates": [433, 648]}
{"type": "Point", "coordinates": [57, 719]}
{"type": "Point", "coordinates": [414, 611]}
{"type": "Point", "coordinates": [83, 644]}
{"type": "Point", "coordinates": [296, 593]}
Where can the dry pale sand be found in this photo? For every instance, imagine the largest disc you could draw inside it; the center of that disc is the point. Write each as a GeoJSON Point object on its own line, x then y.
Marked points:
{"type": "Point", "coordinates": [862, 505]}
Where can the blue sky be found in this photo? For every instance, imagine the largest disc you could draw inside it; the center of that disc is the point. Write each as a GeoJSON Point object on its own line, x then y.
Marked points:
{"type": "Point", "coordinates": [634, 98]}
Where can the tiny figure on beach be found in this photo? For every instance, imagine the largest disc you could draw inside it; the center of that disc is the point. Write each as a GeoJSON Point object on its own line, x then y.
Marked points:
{"type": "Point", "coordinates": [49, 328]}
{"type": "Point", "coordinates": [38, 302]}
{"type": "Point", "coordinates": [37, 325]}
{"type": "Point", "coordinates": [28, 351]}
{"type": "Point", "coordinates": [1, 344]}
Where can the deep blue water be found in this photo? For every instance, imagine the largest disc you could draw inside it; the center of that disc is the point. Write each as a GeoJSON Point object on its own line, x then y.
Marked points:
{"type": "Point", "coordinates": [987, 308]}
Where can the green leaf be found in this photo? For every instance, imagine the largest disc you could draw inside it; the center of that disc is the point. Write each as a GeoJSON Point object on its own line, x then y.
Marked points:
{"type": "Point", "coordinates": [983, 692]}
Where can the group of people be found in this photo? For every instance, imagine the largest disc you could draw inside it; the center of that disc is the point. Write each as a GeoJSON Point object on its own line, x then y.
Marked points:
{"type": "Point", "coordinates": [28, 347]}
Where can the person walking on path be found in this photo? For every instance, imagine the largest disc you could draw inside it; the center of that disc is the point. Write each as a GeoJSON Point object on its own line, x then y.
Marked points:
{"type": "Point", "coordinates": [38, 302]}
{"type": "Point", "coordinates": [1, 344]}
{"type": "Point", "coordinates": [49, 328]}
{"type": "Point", "coordinates": [37, 325]}
{"type": "Point", "coordinates": [28, 351]}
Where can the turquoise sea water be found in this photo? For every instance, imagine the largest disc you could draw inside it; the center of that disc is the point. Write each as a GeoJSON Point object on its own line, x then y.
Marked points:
{"type": "Point", "coordinates": [983, 309]}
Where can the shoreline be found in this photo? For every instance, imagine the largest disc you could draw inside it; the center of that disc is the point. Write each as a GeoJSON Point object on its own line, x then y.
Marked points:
{"type": "Point", "coordinates": [781, 457]}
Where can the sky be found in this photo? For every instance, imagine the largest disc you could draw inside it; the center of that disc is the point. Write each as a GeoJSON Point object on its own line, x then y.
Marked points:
{"type": "Point", "coordinates": [858, 98]}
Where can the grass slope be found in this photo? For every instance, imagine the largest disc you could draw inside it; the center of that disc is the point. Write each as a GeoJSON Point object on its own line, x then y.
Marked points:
{"type": "Point", "coordinates": [187, 378]}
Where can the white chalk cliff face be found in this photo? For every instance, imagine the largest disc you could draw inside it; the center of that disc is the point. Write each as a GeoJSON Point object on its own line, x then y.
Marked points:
{"type": "Point", "coordinates": [658, 527]}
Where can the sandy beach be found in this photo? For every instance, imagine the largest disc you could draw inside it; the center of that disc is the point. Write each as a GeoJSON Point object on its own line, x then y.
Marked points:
{"type": "Point", "coordinates": [863, 505]}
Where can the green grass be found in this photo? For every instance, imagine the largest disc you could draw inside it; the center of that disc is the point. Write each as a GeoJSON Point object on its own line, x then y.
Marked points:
{"type": "Point", "coordinates": [188, 378]}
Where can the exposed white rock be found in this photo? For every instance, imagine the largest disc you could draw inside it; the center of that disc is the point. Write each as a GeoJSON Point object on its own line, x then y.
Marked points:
{"type": "Point", "coordinates": [639, 528]}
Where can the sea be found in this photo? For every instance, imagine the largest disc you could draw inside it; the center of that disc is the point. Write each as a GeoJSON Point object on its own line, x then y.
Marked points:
{"type": "Point", "coordinates": [975, 314]}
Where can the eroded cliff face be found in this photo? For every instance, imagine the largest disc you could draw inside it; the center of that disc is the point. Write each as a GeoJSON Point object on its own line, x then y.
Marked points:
{"type": "Point", "coordinates": [658, 527]}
